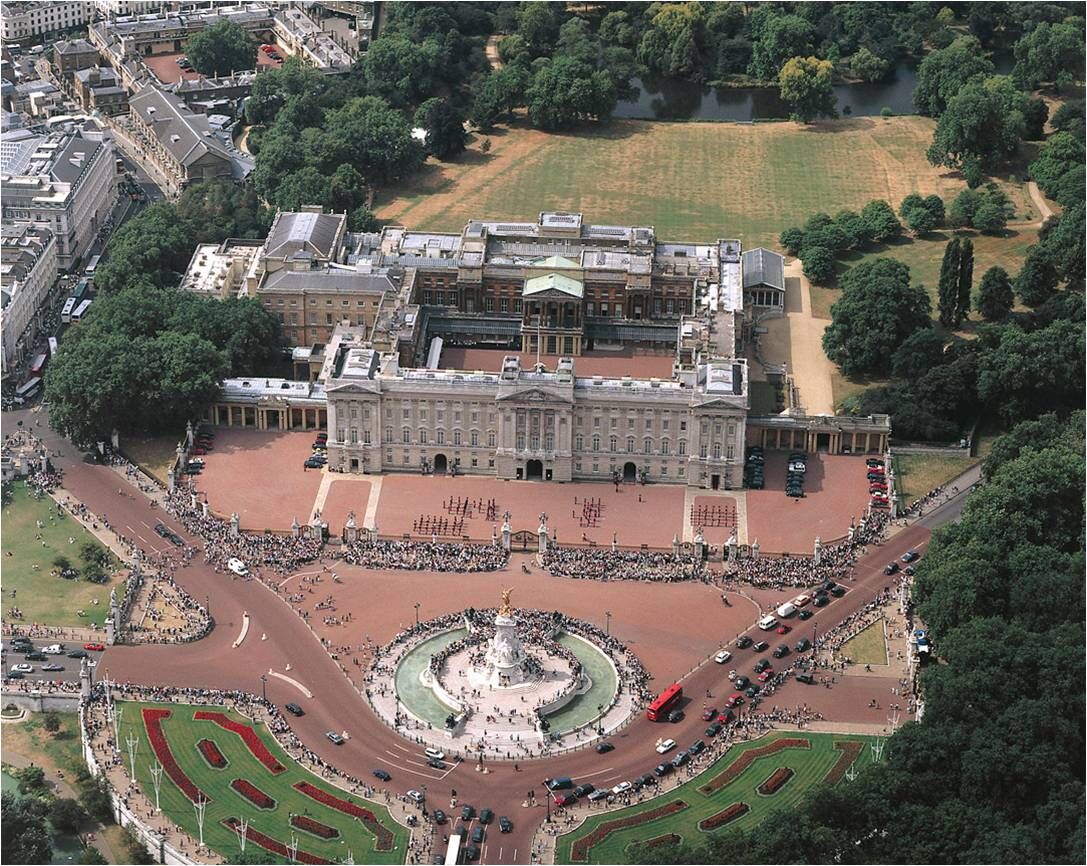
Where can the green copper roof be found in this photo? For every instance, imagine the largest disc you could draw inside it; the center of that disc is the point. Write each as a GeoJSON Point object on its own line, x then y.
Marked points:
{"type": "Point", "coordinates": [553, 282]}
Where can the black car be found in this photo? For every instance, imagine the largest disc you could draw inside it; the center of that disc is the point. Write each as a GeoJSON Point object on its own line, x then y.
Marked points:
{"type": "Point", "coordinates": [601, 748]}
{"type": "Point", "coordinates": [77, 654]}
{"type": "Point", "coordinates": [805, 678]}
{"type": "Point", "coordinates": [645, 779]}
{"type": "Point", "coordinates": [759, 646]}
{"type": "Point", "coordinates": [34, 656]}
{"type": "Point", "coordinates": [743, 642]}
{"type": "Point", "coordinates": [680, 759]}
{"type": "Point", "coordinates": [803, 645]}
{"type": "Point", "coordinates": [910, 556]}
{"type": "Point", "coordinates": [478, 833]}
{"type": "Point", "coordinates": [696, 747]}
{"type": "Point", "coordinates": [675, 716]}
{"type": "Point", "coordinates": [436, 763]}
{"type": "Point", "coordinates": [781, 651]}
{"type": "Point", "coordinates": [891, 568]}
{"type": "Point", "coordinates": [382, 774]}
{"type": "Point", "coordinates": [13, 675]}
{"type": "Point", "coordinates": [821, 600]}
{"type": "Point", "coordinates": [838, 591]}
{"type": "Point", "coordinates": [805, 614]}
{"type": "Point", "coordinates": [467, 813]}
{"type": "Point", "coordinates": [487, 815]}
{"type": "Point", "coordinates": [714, 729]}
{"type": "Point", "coordinates": [505, 825]}
{"type": "Point", "coordinates": [440, 817]}
{"type": "Point", "coordinates": [751, 691]}
{"type": "Point", "coordinates": [741, 682]}
{"type": "Point", "coordinates": [471, 853]}
{"type": "Point", "coordinates": [761, 665]}
{"type": "Point", "coordinates": [294, 709]}
{"type": "Point", "coordinates": [663, 769]}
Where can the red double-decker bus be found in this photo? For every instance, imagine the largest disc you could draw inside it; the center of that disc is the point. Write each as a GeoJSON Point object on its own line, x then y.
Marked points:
{"type": "Point", "coordinates": [665, 703]}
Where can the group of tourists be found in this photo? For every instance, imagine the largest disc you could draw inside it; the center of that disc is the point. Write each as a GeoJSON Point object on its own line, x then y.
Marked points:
{"type": "Point", "coordinates": [426, 555]}
{"type": "Point", "coordinates": [595, 563]}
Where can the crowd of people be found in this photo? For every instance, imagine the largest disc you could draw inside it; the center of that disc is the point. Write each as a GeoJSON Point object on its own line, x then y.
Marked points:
{"type": "Point", "coordinates": [426, 555]}
{"type": "Point", "coordinates": [597, 563]}
{"type": "Point", "coordinates": [157, 609]}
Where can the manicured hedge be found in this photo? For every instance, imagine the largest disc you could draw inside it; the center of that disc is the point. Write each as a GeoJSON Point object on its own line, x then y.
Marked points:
{"type": "Point", "coordinates": [252, 741]}
{"type": "Point", "coordinates": [773, 784]}
{"type": "Point", "coordinates": [304, 822]}
{"type": "Point", "coordinates": [747, 758]}
{"type": "Point", "coordinates": [253, 794]}
{"type": "Point", "coordinates": [579, 852]}
{"type": "Point", "coordinates": [152, 722]}
{"type": "Point", "coordinates": [211, 754]}
{"type": "Point", "coordinates": [851, 750]}
{"type": "Point", "coordinates": [730, 813]}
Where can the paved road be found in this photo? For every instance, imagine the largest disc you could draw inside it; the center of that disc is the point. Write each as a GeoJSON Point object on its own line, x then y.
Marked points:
{"type": "Point", "coordinates": [336, 705]}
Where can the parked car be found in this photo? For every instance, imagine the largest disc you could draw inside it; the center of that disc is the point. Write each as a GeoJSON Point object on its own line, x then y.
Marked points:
{"type": "Point", "coordinates": [783, 629]}
{"type": "Point", "coordinates": [805, 614]}
{"type": "Point", "coordinates": [910, 556]}
{"type": "Point", "coordinates": [665, 746]}
{"type": "Point", "coordinates": [35, 656]}
{"type": "Point", "coordinates": [334, 738]}
{"type": "Point", "coordinates": [385, 777]}
{"type": "Point", "coordinates": [468, 812]}
{"type": "Point", "coordinates": [743, 642]}
{"type": "Point", "coordinates": [675, 716]}
{"type": "Point", "coordinates": [761, 665]}
{"type": "Point", "coordinates": [837, 591]}
{"type": "Point", "coordinates": [77, 654]}
{"type": "Point", "coordinates": [94, 647]}
{"type": "Point", "coordinates": [741, 682]}
{"type": "Point", "coordinates": [801, 600]}
{"type": "Point", "coordinates": [697, 747]}
{"type": "Point", "coordinates": [580, 791]}
{"type": "Point", "coordinates": [237, 566]}
{"type": "Point", "coordinates": [440, 817]}
{"type": "Point", "coordinates": [722, 657]}
{"type": "Point", "coordinates": [22, 668]}
{"type": "Point", "coordinates": [807, 679]}
{"type": "Point", "coordinates": [294, 709]}
{"type": "Point", "coordinates": [680, 759]}
{"type": "Point", "coordinates": [52, 667]}
{"type": "Point", "coordinates": [601, 748]}
{"type": "Point", "coordinates": [803, 645]}
{"type": "Point", "coordinates": [505, 825]}
{"type": "Point", "coordinates": [415, 796]}
{"type": "Point", "coordinates": [759, 646]}
{"type": "Point", "coordinates": [781, 651]}
{"type": "Point", "coordinates": [478, 833]}
{"type": "Point", "coordinates": [433, 752]}
{"type": "Point", "coordinates": [709, 713]}
{"type": "Point", "coordinates": [714, 729]}
{"type": "Point", "coordinates": [891, 568]}
{"type": "Point", "coordinates": [621, 788]}
{"type": "Point", "coordinates": [765, 676]}
{"type": "Point", "coordinates": [821, 600]}
{"type": "Point", "coordinates": [435, 763]}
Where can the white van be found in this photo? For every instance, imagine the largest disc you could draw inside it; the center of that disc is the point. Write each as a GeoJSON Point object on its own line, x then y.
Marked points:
{"type": "Point", "coordinates": [787, 610]}
{"type": "Point", "coordinates": [237, 566]}
{"type": "Point", "coordinates": [767, 623]}
{"type": "Point", "coordinates": [53, 650]}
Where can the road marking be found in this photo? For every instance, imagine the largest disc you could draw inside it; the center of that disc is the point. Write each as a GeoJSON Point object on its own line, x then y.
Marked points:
{"type": "Point", "coordinates": [597, 773]}
{"type": "Point", "coordinates": [244, 631]}
{"type": "Point", "coordinates": [292, 681]}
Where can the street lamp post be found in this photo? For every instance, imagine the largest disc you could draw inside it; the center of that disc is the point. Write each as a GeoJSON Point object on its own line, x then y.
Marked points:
{"type": "Point", "coordinates": [607, 613]}
{"type": "Point", "coordinates": [264, 686]}
{"type": "Point", "coordinates": [417, 605]}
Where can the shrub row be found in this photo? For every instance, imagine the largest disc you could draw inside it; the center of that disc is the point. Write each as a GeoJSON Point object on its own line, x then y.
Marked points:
{"type": "Point", "coordinates": [745, 760]}
{"type": "Point", "coordinates": [579, 851]}
{"type": "Point", "coordinates": [778, 778]}
{"type": "Point", "coordinates": [730, 813]}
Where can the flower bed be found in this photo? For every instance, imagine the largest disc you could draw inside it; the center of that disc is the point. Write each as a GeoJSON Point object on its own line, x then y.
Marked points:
{"type": "Point", "coordinates": [211, 754]}
{"type": "Point", "coordinates": [579, 851]}
{"type": "Point", "coordinates": [252, 741]}
{"type": "Point", "coordinates": [152, 723]}
{"type": "Point", "coordinates": [253, 794]}
{"type": "Point", "coordinates": [302, 822]}
{"type": "Point", "coordinates": [773, 784]}
{"type": "Point", "coordinates": [731, 813]}
{"type": "Point", "coordinates": [382, 835]}
{"type": "Point", "coordinates": [274, 845]}
{"type": "Point", "coordinates": [851, 750]}
{"type": "Point", "coordinates": [666, 839]}
{"type": "Point", "coordinates": [746, 759]}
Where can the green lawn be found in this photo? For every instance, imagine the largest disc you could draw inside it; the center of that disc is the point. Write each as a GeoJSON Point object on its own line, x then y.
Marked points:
{"type": "Point", "coordinates": [917, 474]}
{"type": "Point", "coordinates": [692, 181]}
{"type": "Point", "coordinates": [155, 455]}
{"type": "Point", "coordinates": [183, 733]}
{"type": "Point", "coordinates": [45, 598]}
{"type": "Point", "coordinates": [60, 751]}
{"type": "Point", "coordinates": [809, 765]}
{"type": "Point", "coordinates": [869, 647]}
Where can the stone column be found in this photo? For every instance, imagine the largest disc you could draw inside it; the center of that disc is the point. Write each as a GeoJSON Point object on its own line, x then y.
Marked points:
{"type": "Point", "coordinates": [84, 679]}
{"type": "Point", "coordinates": [111, 631]}
{"type": "Point", "coordinates": [755, 550]}
{"type": "Point", "coordinates": [506, 532]}
{"type": "Point", "coordinates": [351, 529]}
{"type": "Point", "coordinates": [315, 527]}
{"type": "Point", "coordinates": [204, 508]}
{"type": "Point", "coordinates": [699, 545]}
{"type": "Point", "coordinates": [182, 460]}
{"type": "Point", "coordinates": [542, 531]}
{"type": "Point", "coordinates": [296, 528]}
{"type": "Point", "coordinates": [675, 545]}
{"type": "Point", "coordinates": [188, 434]}
{"type": "Point", "coordinates": [614, 543]}
{"type": "Point", "coordinates": [171, 480]}
{"type": "Point", "coordinates": [235, 525]}
{"type": "Point", "coordinates": [850, 535]}
{"type": "Point", "coordinates": [192, 500]}
{"type": "Point", "coordinates": [818, 550]}
{"type": "Point", "coordinates": [732, 548]}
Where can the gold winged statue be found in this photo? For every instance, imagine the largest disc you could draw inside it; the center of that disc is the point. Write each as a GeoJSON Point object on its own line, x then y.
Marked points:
{"type": "Point", "coordinates": [506, 609]}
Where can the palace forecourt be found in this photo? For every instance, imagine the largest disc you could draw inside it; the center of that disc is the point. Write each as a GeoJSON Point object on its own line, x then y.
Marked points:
{"type": "Point", "coordinates": [549, 313]}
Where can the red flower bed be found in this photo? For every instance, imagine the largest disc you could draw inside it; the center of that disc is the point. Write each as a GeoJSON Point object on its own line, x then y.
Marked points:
{"type": "Point", "coordinates": [152, 722]}
{"type": "Point", "coordinates": [666, 839]}
{"type": "Point", "coordinates": [303, 822]}
{"type": "Point", "coordinates": [253, 794]}
{"type": "Point", "coordinates": [382, 834]}
{"type": "Point", "coordinates": [211, 754]}
{"type": "Point", "coordinates": [851, 750]}
{"type": "Point", "coordinates": [778, 778]}
{"type": "Point", "coordinates": [252, 742]}
{"type": "Point", "coordinates": [723, 817]}
{"type": "Point", "coordinates": [274, 845]}
{"type": "Point", "coordinates": [579, 851]}
{"type": "Point", "coordinates": [746, 759]}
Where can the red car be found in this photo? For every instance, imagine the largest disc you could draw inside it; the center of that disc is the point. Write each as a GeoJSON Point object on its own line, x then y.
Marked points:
{"type": "Point", "coordinates": [94, 647]}
{"type": "Point", "coordinates": [726, 716]}
{"type": "Point", "coordinates": [784, 629]}
{"type": "Point", "coordinates": [709, 713]}
{"type": "Point", "coordinates": [765, 675]}
{"type": "Point", "coordinates": [736, 699]}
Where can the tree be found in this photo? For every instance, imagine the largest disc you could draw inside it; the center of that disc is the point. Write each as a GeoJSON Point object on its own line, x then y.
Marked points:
{"type": "Point", "coordinates": [303, 85]}
{"type": "Point", "coordinates": [1058, 170]}
{"type": "Point", "coordinates": [882, 224]}
{"type": "Point", "coordinates": [497, 95]}
{"type": "Point", "coordinates": [805, 84]}
{"type": "Point", "coordinates": [372, 136]}
{"type": "Point", "coordinates": [94, 794]}
{"type": "Point", "coordinates": [995, 298]}
{"type": "Point", "coordinates": [982, 125]}
{"type": "Point", "coordinates": [1069, 117]}
{"type": "Point", "coordinates": [24, 838]}
{"type": "Point", "coordinates": [565, 91]}
{"type": "Point", "coordinates": [538, 24]}
{"type": "Point", "coordinates": [136, 850]}
{"type": "Point", "coordinates": [818, 264]}
{"type": "Point", "coordinates": [943, 73]}
{"type": "Point", "coordinates": [91, 856]}
{"type": "Point", "coordinates": [986, 209]}
{"type": "Point", "coordinates": [920, 352]}
{"type": "Point", "coordinates": [1062, 242]}
{"type": "Point", "coordinates": [948, 287]}
{"type": "Point", "coordinates": [922, 215]}
{"type": "Point", "coordinates": [444, 125]}
{"type": "Point", "coordinates": [1035, 116]}
{"type": "Point", "coordinates": [221, 49]}
{"type": "Point", "coordinates": [792, 240]}
{"type": "Point", "coordinates": [877, 311]}
{"type": "Point", "coordinates": [67, 816]}
{"type": "Point", "coordinates": [32, 781]}
{"type": "Point", "coordinates": [965, 280]}
{"type": "Point", "coordinates": [401, 70]}
{"type": "Point", "coordinates": [1037, 279]}
{"type": "Point", "coordinates": [1049, 52]}
{"type": "Point", "coordinates": [868, 66]}
{"type": "Point", "coordinates": [776, 38]}
{"type": "Point", "coordinates": [51, 722]}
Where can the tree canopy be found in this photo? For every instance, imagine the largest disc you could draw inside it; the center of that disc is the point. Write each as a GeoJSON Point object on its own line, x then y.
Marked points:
{"type": "Point", "coordinates": [877, 311]}
{"type": "Point", "coordinates": [221, 49]}
{"type": "Point", "coordinates": [805, 85]}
